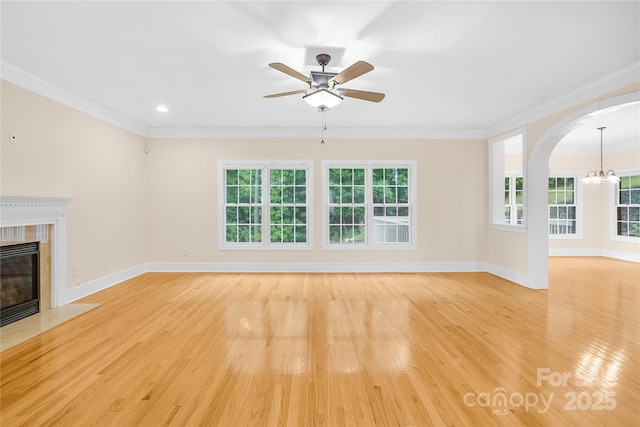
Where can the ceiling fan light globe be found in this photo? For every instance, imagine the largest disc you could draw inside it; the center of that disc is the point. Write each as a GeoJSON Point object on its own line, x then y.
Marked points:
{"type": "Point", "coordinates": [322, 99]}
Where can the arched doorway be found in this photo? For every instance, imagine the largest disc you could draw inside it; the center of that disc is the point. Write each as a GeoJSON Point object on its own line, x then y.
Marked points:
{"type": "Point", "coordinates": [537, 174]}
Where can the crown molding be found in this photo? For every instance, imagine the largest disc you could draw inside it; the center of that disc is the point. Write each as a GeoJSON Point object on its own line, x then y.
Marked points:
{"type": "Point", "coordinates": [30, 81]}
{"type": "Point", "coordinates": [602, 86]}
{"type": "Point", "coordinates": [606, 84]}
{"type": "Point", "coordinates": [312, 132]}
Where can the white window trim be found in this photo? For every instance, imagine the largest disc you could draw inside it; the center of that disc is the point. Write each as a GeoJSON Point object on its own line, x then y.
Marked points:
{"type": "Point", "coordinates": [368, 165]}
{"type": "Point", "coordinates": [266, 244]}
{"type": "Point", "coordinates": [496, 182]}
{"type": "Point", "coordinates": [514, 175]}
{"type": "Point", "coordinates": [578, 186]}
{"type": "Point", "coordinates": [613, 215]}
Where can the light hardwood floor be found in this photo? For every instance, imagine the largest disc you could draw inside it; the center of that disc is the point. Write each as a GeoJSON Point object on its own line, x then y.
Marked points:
{"type": "Point", "coordinates": [465, 349]}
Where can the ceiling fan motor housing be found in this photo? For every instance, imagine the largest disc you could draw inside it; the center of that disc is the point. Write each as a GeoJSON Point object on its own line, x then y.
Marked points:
{"type": "Point", "coordinates": [321, 79]}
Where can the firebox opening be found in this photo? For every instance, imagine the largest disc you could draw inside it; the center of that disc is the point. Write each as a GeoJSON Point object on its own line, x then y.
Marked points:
{"type": "Point", "coordinates": [19, 282]}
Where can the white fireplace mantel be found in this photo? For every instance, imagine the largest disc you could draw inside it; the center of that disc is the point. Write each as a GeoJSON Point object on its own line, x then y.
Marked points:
{"type": "Point", "coordinates": [34, 210]}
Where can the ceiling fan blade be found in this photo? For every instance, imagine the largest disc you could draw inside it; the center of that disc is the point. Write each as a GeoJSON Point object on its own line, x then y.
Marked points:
{"type": "Point", "coordinates": [290, 71]}
{"type": "Point", "coordinates": [356, 70]}
{"type": "Point", "coordinates": [277, 95]}
{"type": "Point", "coordinates": [363, 94]}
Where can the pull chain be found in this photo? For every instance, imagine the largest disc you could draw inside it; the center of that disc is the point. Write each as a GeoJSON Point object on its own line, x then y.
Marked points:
{"type": "Point", "coordinates": [324, 126]}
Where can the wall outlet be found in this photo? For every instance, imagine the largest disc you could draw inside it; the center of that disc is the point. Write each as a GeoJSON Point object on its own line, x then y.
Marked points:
{"type": "Point", "coordinates": [185, 252]}
{"type": "Point", "coordinates": [13, 138]}
{"type": "Point", "coordinates": [76, 271]}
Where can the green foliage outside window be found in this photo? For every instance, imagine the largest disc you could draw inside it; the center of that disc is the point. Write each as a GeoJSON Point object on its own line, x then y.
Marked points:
{"type": "Point", "coordinates": [628, 206]}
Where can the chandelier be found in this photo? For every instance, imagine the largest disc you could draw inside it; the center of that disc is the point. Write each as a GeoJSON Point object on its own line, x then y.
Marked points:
{"type": "Point", "coordinates": [599, 176]}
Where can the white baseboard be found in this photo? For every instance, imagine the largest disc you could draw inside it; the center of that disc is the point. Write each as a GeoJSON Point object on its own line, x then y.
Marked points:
{"type": "Point", "coordinates": [624, 256]}
{"type": "Point", "coordinates": [69, 295]}
{"type": "Point", "coordinates": [73, 294]}
{"type": "Point", "coordinates": [505, 273]}
{"type": "Point", "coordinates": [363, 267]}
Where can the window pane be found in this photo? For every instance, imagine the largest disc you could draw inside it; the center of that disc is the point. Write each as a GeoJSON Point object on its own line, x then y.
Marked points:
{"type": "Point", "coordinates": [519, 182]}
{"type": "Point", "coordinates": [634, 181]}
{"type": "Point", "coordinates": [623, 213]}
{"type": "Point", "coordinates": [568, 198]}
{"type": "Point", "coordinates": [276, 233]}
{"type": "Point", "coordinates": [232, 215]}
{"type": "Point", "coordinates": [334, 194]}
{"type": "Point", "coordinates": [552, 198]}
{"type": "Point", "coordinates": [623, 229]}
{"type": "Point", "coordinates": [359, 215]}
{"type": "Point", "coordinates": [334, 234]}
{"type": "Point", "coordinates": [625, 182]}
{"type": "Point", "coordinates": [276, 176]}
{"type": "Point", "coordinates": [300, 195]}
{"type": "Point", "coordinates": [378, 194]}
{"type": "Point", "coordinates": [232, 194]}
{"type": "Point", "coordinates": [301, 234]}
{"type": "Point", "coordinates": [570, 183]}
{"type": "Point", "coordinates": [288, 234]}
{"type": "Point", "coordinates": [635, 197]}
{"type": "Point", "coordinates": [276, 194]}
{"type": "Point", "coordinates": [390, 195]}
{"type": "Point", "coordinates": [634, 229]}
{"type": "Point", "coordinates": [358, 194]}
{"type": "Point", "coordinates": [276, 215]}
{"type": "Point", "coordinates": [347, 194]}
{"type": "Point", "coordinates": [301, 177]}
{"type": "Point", "coordinates": [334, 216]}
{"type": "Point", "coordinates": [287, 177]}
{"type": "Point", "coordinates": [244, 233]}
{"type": "Point", "coordinates": [232, 233]}
{"type": "Point", "coordinates": [300, 215]}
{"type": "Point", "coordinates": [624, 197]}
{"type": "Point", "coordinates": [287, 215]}
{"type": "Point", "coordinates": [634, 213]}
{"type": "Point", "coordinates": [403, 194]}
{"type": "Point", "coordinates": [346, 176]}
{"type": "Point", "coordinates": [403, 176]}
{"type": "Point", "coordinates": [378, 177]}
{"type": "Point", "coordinates": [232, 177]}
{"type": "Point", "coordinates": [287, 194]}
{"type": "Point", "coordinates": [358, 176]}
{"type": "Point", "coordinates": [334, 176]}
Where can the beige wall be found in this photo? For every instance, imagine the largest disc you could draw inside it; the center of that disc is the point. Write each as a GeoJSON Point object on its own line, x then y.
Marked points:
{"type": "Point", "coordinates": [135, 207]}
{"type": "Point", "coordinates": [183, 197]}
{"type": "Point", "coordinates": [597, 201]}
{"type": "Point", "coordinates": [63, 152]}
{"type": "Point", "coordinates": [509, 249]}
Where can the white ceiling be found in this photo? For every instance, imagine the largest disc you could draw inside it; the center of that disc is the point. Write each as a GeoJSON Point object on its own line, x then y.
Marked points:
{"type": "Point", "coordinates": [442, 65]}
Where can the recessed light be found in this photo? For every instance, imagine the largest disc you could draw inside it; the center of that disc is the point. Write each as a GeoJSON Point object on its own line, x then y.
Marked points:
{"type": "Point", "coordinates": [162, 108]}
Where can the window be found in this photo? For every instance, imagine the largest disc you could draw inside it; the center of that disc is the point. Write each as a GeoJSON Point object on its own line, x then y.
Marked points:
{"type": "Point", "coordinates": [369, 205]}
{"type": "Point", "coordinates": [562, 205]}
{"type": "Point", "coordinates": [507, 187]}
{"type": "Point", "coordinates": [628, 206]}
{"type": "Point", "coordinates": [513, 199]}
{"type": "Point", "coordinates": [265, 205]}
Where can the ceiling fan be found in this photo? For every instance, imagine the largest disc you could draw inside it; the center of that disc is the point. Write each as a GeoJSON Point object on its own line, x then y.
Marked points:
{"type": "Point", "coordinates": [325, 91]}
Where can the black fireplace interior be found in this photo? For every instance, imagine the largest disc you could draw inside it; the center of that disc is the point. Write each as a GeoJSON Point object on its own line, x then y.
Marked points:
{"type": "Point", "coordinates": [19, 282]}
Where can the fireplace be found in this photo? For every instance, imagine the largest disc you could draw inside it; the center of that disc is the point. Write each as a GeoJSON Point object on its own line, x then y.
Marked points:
{"type": "Point", "coordinates": [41, 219]}
{"type": "Point", "coordinates": [19, 282]}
